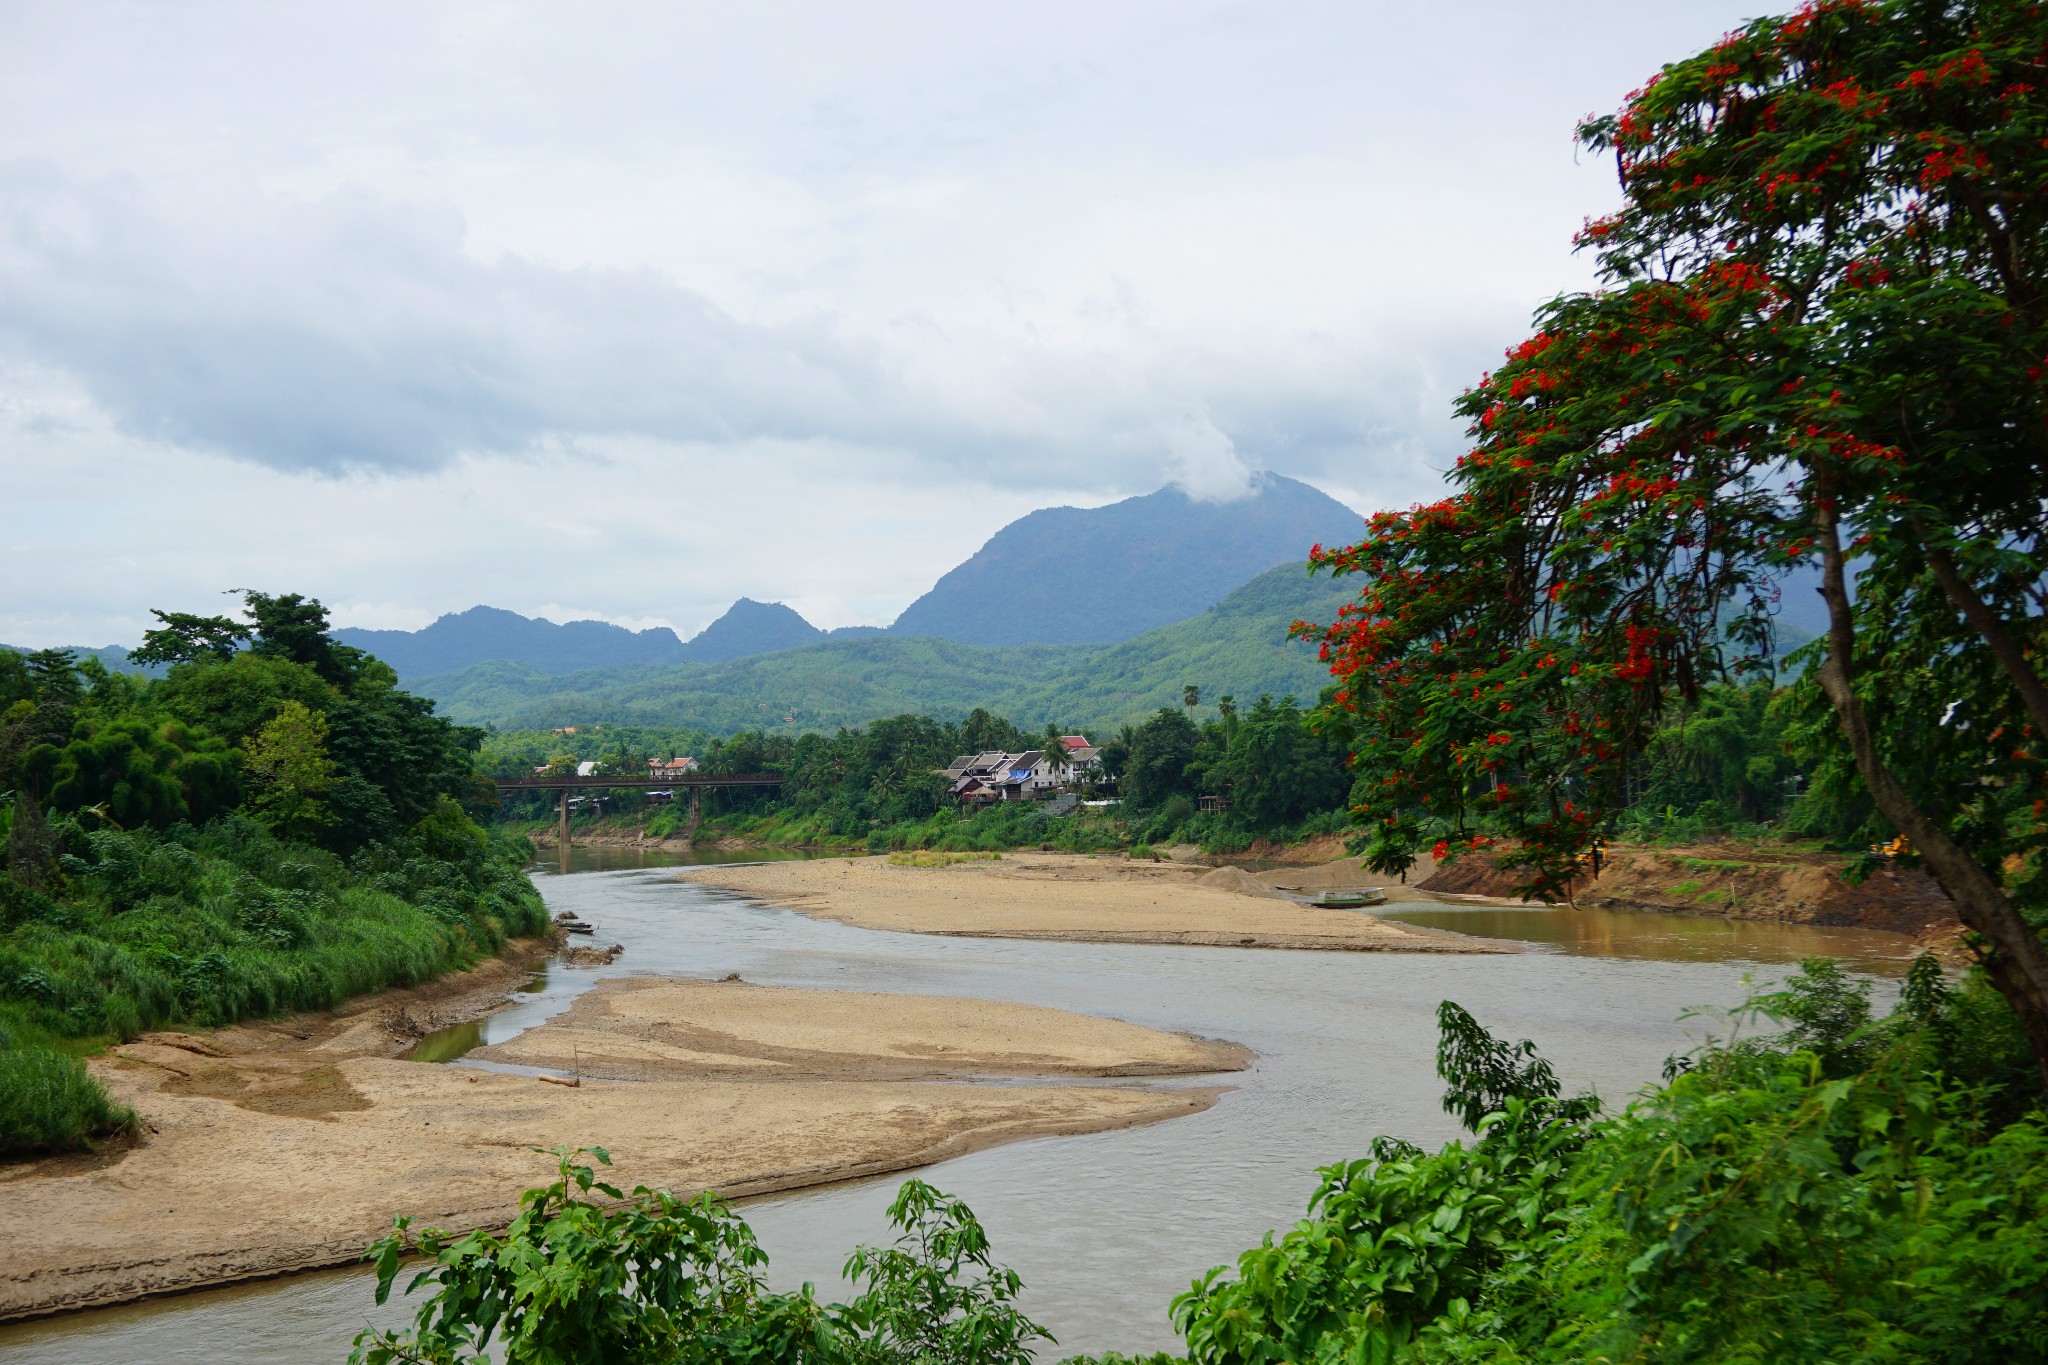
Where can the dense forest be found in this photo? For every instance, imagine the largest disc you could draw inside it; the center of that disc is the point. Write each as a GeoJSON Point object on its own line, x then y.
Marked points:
{"type": "Point", "coordinates": [1726, 767]}
{"type": "Point", "coordinates": [272, 825]}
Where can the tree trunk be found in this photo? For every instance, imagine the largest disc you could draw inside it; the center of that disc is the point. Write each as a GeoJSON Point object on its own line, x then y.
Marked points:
{"type": "Point", "coordinates": [2012, 953]}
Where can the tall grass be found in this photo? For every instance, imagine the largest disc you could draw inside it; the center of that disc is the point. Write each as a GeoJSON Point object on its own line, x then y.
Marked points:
{"type": "Point", "coordinates": [49, 1102]}
{"type": "Point", "coordinates": [202, 927]}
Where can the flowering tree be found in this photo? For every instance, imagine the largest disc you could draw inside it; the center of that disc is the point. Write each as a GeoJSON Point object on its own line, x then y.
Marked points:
{"type": "Point", "coordinates": [1821, 337]}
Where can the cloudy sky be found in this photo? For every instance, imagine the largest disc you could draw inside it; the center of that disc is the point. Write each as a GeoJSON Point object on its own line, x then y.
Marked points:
{"type": "Point", "coordinates": [626, 310]}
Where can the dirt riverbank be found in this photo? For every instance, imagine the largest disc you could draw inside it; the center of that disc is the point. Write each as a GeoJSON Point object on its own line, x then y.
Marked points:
{"type": "Point", "coordinates": [290, 1144]}
{"type": "Point", "coordinates": [1777, 882]}
{"type": "Point", "coordinates": [1072, 897]}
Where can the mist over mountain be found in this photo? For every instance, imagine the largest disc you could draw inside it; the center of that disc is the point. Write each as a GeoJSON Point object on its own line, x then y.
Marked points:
{"type": "Point", "coordinates": [1097, 575]}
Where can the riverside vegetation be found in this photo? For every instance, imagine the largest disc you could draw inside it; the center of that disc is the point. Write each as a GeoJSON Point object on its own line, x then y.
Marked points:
{"type": "Point", "coordinates": [270, 826]}
{"type": "Point", "coordinates": [1734, 765]}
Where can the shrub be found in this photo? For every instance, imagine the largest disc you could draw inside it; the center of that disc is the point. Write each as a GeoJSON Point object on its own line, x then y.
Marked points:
{"type": "Point", "coordinates": [49, 1102]}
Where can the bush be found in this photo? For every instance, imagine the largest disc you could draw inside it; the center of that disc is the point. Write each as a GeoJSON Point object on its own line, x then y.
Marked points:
{"type": "Point", "coordinates": [49, 1102]}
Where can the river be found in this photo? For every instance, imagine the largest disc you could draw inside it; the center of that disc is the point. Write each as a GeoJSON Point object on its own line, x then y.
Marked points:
{"type": "Point", "coordinates": [1104, 1228]}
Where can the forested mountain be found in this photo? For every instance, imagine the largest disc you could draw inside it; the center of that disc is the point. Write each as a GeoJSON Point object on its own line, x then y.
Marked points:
{"type": "Point", "coordinates": [462, 638]}
{"type": "Point", "coordinates": [1239, 646]}
{"type": "Point", "coordinates": [750, 627]}
{"type": "Point", "coordinates": [1098, 575]}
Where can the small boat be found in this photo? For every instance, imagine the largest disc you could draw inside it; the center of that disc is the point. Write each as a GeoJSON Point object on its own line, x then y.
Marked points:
{"type": "Point", "coordinates": [574, 926]}
{"type": "Point", "coordinates": [1350, 900]}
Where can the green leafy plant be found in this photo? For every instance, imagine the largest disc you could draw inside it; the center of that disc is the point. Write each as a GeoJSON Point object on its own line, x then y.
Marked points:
{"type": "Point", "coordinates": [588, 1273]}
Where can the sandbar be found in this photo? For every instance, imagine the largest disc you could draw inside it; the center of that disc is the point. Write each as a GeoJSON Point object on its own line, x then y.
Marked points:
{"type": "Point", "coordinates": [290, 1145]}
{"type": "Point", "coordinates": [1070, 897]}
{"type": "Point", "coordinates": [643, 1028]}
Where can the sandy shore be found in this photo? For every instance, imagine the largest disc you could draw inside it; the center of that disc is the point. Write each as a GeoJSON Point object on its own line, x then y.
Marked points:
{"type": "Point", "coordinates": [1073, 897]}
{"type": "Point", "coordinates": [290, 1145]}
{"type": "Point", "coordinates": [645, 1028]}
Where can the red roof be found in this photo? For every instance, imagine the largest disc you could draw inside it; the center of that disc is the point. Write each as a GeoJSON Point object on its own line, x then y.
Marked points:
{"type": "Point", "coordinates": [1075, 741]}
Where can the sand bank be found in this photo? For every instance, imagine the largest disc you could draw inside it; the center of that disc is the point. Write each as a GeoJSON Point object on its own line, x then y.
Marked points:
{"type": "Point", "coordinates": [1072, 897]}
{"type": "Point", "coordinates": [643, 1028]}
{"type": "Point", "coordinates": [291, 1145]}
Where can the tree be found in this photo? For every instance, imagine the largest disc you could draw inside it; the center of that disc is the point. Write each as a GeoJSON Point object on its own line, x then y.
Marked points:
{"type": "Point", "coordinates": [1161, 753]}
{"type": "Point", "coordinates": [135, 772]}
{"type": "Point", "coordinates": [184, 637]}
{"type": "Point", "coordinates": [1821, 335]}
{"type": "Point", "coordinates": [1276, 768]}
{"type": "Point", "coordinates": [289, 769]}
{"type": "Point", "coordinates": [1191, 697]}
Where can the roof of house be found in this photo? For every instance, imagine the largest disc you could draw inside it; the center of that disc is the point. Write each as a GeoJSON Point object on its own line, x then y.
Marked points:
{"type": "Point", "coordinates": [1076, 741]}
{"type": "Point", "coordinates": [1028, 759]}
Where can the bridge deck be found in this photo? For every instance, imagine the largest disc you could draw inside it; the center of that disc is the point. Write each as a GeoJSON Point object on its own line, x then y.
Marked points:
{"type": "Point", "coordinates": [537, 784]}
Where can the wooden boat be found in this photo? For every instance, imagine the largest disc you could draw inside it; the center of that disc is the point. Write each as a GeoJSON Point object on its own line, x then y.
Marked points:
{"type": "Point", "coordinates": [1351, 900]}
{"type": "Point", "coordinates": [574, 926]}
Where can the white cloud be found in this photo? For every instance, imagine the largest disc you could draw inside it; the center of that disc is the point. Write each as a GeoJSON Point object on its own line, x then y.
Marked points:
{"type": "Point", "coordinates": [1206, 464]}
{"type": "Point", "coordinates": [372, 300]}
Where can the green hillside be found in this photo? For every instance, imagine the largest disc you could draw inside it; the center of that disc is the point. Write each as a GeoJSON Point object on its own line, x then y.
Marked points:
{"type": "Point", "coordinates": [1239, 646]}
{"type": "Point", "coordinates": [818, 687]}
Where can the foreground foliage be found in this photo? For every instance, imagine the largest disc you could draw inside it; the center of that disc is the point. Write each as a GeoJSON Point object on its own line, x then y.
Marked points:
{"type": "Point", "coordinates": [1841, 1193]}
{"type": "Point", "coordinates": [1852, 1188]}
{"type": "Point", "coordinates": [654, 1279]}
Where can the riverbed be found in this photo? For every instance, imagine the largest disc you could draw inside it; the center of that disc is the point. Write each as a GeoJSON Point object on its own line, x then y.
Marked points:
{"type": "Point", "coordinates": [1104, 1228]}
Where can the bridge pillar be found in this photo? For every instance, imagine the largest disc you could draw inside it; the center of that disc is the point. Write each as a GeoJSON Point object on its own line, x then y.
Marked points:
{"type": "Point", "coordinates": [564, 834]}
{"type": "Point", "coordinates": [696, 813]}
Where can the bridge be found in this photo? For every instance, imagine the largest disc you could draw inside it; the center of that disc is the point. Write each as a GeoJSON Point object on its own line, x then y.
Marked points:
{"type": "Point", "coordinates": [695, 783]}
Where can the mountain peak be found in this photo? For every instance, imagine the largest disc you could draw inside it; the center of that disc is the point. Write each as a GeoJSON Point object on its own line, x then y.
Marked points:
{"type": "Point", "coordinates": [750, 627]}
{"type": "Point", "coordinates": [1073, 575]}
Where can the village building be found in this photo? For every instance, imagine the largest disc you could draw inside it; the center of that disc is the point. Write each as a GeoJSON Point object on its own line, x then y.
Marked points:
{"type": "Point", "coordinates": [1033, 775]}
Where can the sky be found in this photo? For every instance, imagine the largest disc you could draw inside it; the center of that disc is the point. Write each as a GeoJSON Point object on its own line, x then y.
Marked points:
{"type": "Point", "coordinates": [623, 311]}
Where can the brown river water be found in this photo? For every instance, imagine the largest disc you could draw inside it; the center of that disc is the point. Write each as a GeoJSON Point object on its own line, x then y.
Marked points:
{"type": "Point", "coordinates": [1104, 1228]}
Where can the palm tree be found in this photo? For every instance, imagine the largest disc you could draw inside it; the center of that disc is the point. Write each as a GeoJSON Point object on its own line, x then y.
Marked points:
{"type": "Point", "coordinates": [1191, 697]}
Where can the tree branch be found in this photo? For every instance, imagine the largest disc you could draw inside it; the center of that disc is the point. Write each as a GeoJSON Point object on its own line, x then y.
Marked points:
{"type": "Point", "coordinates": [2016, 960]}
{"type": "Point", "coordinates": [1988, 624]}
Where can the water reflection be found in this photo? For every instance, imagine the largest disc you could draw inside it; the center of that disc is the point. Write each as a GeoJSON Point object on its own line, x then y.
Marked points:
{"type": "Point", "coordinates": [1665, 937]}
{"type": "Point", "coordinates": [620, 858]}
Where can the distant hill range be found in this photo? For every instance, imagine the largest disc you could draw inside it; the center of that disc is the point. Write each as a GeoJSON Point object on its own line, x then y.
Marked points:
{"type": "Point", "coordinates": [1060, 575]}
{"type": "Point", "coordinates": [490, 634]}
{"type": "Point", "coordinates": [1239, 646]}
{"type": "Point", "coordinates": [1097, 575]}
